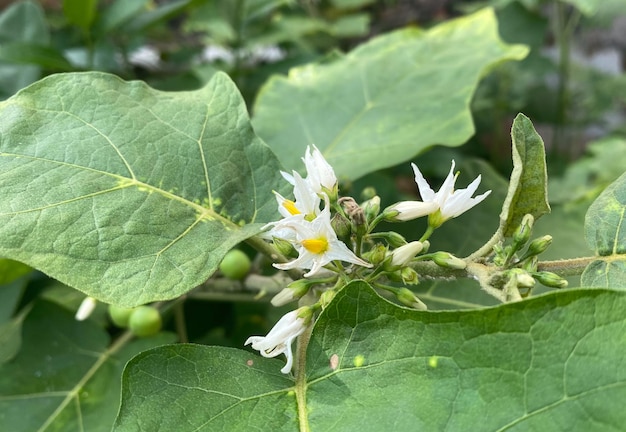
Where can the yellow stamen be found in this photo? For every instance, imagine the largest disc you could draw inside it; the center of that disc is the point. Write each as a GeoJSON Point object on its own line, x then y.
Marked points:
{"type": "Point", "coordinates": [291, 207]}
{"type": "Point", "coordinates": [316, 246]}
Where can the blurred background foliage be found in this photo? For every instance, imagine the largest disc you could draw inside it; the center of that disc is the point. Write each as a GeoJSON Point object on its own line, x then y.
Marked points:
{"type": "Point", "coordinates": [572, 85]}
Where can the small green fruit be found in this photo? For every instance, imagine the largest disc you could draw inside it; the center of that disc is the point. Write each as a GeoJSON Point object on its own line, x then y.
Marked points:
{"type": "Point", "coordinates": [120, 315]}
{"type": "Point", "coordinates": [145, 321]}
{"type": "Point", "coordinates": [235, 264]}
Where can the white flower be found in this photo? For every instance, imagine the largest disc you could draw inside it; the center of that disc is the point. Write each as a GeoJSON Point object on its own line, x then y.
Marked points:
{"type": "Point", "coordinates": [280, 338]}
{"type": "Point", "coordinates": [85, 309]}
{"type": "Point", "coordinates": [402, 255]}
{"type": "Point", "coordinates": [319, 172]}
{"type": "Point", "coordinates": [317, 244]}
{"type": "Point", "coordinates": [307, 202]}
{"type": "Point", "coordinates": [448, 202]}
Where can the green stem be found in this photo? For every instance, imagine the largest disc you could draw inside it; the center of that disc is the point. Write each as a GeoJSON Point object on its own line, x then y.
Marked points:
{"type": "Point", "coordinates": [300, 375]}
{"type": "Point", "coordinates": [179, 319]}
{"type": "Point", "coordinates": [429, 231]}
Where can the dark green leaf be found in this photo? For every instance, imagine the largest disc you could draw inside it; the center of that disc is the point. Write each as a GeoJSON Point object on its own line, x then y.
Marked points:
{"type": "Point", "coordinates": [127, 193]}
{"type": "Point", "coordinates": [549, 363]}
{"type": "Point", "coordinates": [402, 92]}
{"type": "Point", "coordinates": [64, 378]}
{"type": "Point", "coordinates": [605, 231]}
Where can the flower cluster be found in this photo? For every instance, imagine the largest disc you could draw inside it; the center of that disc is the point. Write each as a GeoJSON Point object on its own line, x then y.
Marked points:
{"type": "Point", "coordinates": [322, 232]}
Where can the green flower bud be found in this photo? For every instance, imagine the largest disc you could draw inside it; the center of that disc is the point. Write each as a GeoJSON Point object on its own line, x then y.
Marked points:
{"type": "Point", "coordinates": [341, 225]}
{"type": "Point", "coordinates": [539, 245]}
{"type": "Point", "coordinates": [371, 208]}
{"type": "Point", "coordinates": [409, 276]}
{"type": "Point", "coordinates": [394, 239]}
{"type": "Point", "coordinates": [326, 297]}
{"type": "Point", "coordinates": [368, 193]}
{"type": "Point", "coordinates": [523, 231]}
{"type": "Point", "coordinates": [447, 260]}
{"type": "Point", "coordinates": [377, 255]}
{"type": "Point", "coordinates": [408, 298]}
{"type": "Point", "coordinates": [284, 247]}
{"type": "Point", "coordinates": [550, 279]}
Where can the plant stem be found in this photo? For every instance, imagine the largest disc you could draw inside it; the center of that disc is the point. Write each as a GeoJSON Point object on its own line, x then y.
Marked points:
{"type": "Point", "coordinates": [179, 319]}
{"type": "Point", "coordinates": [300, 374]}
{"type": "Point", "coordinates": [574, 266]}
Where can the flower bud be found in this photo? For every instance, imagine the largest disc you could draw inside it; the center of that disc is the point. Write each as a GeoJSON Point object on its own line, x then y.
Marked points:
{"type": "Point", "coordinates": [341, 225]}
{"type": "Point", "coordinates": [85, 309]}
{"type": "Point", "coordinates": [404, 254]}
{"type": "Point", "coordinates": [326, 297]}
{"type": "Point", "coordinates": [294, 291]}
{"type": "Point", "coordinates": [550, 279]}
{"type": "Point", "coordinates": [377, 255]}
{"type": "Point", "coordinates": [368, 193]}
{"type": "Point", "coordinates": [393, 238]}
{"type": "Point", "coordinates": [284, 247]}
{"type": "Point", "coordinates": [539, 245]}
{"type": "Point", "coordinates": [408, 298]}
{"type": "Point", "coordinates": [445, 259]}
{"type": "Point", "coordinates": [409, 276]}
{"type": "Point", "coordinates": [522, 233]}
{"type": "Point", "coordinates": [371, 208]}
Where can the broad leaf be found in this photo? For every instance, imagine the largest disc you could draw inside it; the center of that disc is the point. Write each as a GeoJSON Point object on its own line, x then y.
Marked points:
{"type": "Point", "coordinates": [64, 378]}
{"type": "Point", "coordinates": [605, 230]}
{"type": "Point", "coordinates": [528, 187]}
{"type": "Point", "coordinates": [549, 363]}
{"type": "Point", "coordinates": [127, 193]}
{"type": "Point", "coordinates": [387, 100]}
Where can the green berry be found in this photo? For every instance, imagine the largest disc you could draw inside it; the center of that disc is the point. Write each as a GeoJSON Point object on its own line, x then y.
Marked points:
{"type": "Point", "coordinates": [120, 315]}
{"type": "Point", "coordinates": [145, 321]}
{"type": "Point", "coordinates": [235, 264]}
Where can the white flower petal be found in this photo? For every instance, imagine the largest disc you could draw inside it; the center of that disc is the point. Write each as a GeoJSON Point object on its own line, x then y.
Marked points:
{"type": "Point", "coordinates": [426, 192]}
{"type": "Point", "coordinates": [280, 338]}
{"type": "Point", "coordinates": [409, 210]}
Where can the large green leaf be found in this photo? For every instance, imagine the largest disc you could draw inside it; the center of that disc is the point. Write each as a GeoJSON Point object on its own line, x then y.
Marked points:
{"type": "Point", "coordinates": [127, 193]}
{"type": "Point", "coordinates": [605, 230]}
{"type": "Point", "coordinates": [549, 363]}
{"type": "Point", "coordinates": [64, 378]}
{"type": "Point", "coordinates": [387, 100]}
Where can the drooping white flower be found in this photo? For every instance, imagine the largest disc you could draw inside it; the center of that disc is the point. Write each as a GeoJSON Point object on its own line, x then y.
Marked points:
{"type": "Point", "coordinates": [281, 336]}
{"type": "Point", "coordinates": [85, 309]}
{"type": "Point", "coordinates": [445, 204]}
{"type": "Point", "coordinates": [317, 244]}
